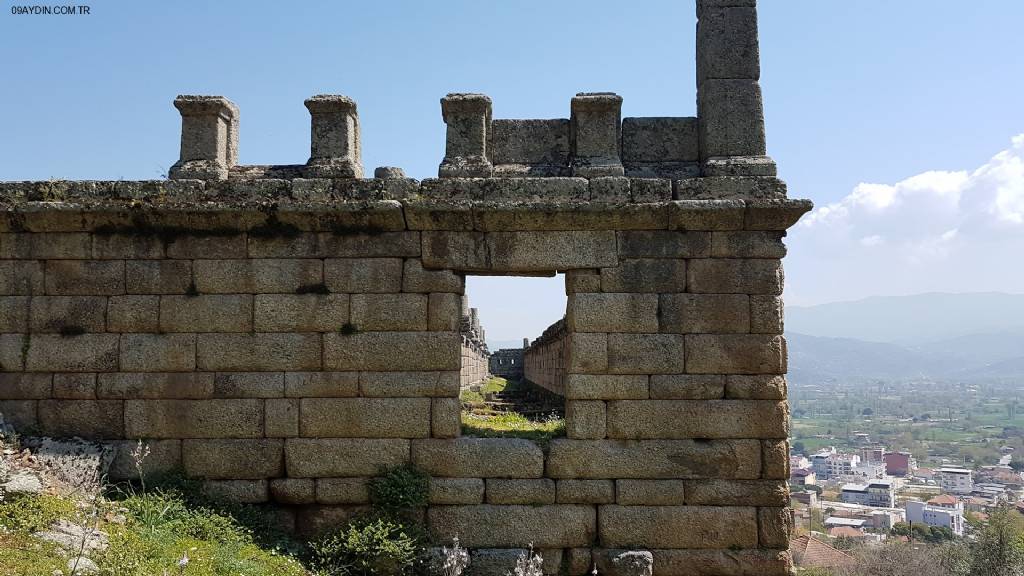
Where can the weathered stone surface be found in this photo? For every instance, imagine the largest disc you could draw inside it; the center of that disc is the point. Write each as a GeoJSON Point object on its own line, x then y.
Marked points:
{"type": "Point", "coordinates": [281, 418]}
{"type": "Point", "coordinates": [248, 385]}
{"type": "Point", "coordinates": [728, 42]}
{"type": "Point", "coordinates": [646, 353]}
{"type": "Point", "coordinates": [127, 247]}
{"type": "Point", "coordinates": [444, 312]}
{"type": "Point", "coordinates": [409, 351]}
{"type": "Point", "coordinates": [155, 385]}
{"type": "Point", "coordinates": [206, 313]}
{"type": "Point", "coordinates": [775, 454]}
{"type": "Point", "coordinates": [735, 354]}
{"type": "Point", "coordinates": [585, 419]}
{"type": "Point", "coordinates": [774, 525]}
{"type": "Point", "coordinates": [687, 387]}
{"type": "Point", "coordinates": [390, 312]}
{"type": "Point", "coordinates": [293, 491]}
{"type": "Point", "coordinates": [747, 244]}
{"type": "Point", "coordinates": [478, 458]}
{"type": "Point", "coordinates": [343, 457]}
{"type": "Point", "coordinates": [67, 314]}
{"type": "Point", "coordinates": [624, 562]}
{"type": "Point", "coordinates": [158, 352]}
{"type": "Point", "coordinates": [582, 281]}
{"type": "Point", "coordinates": [322, 385]}
{"type": "Point", "coordinates": [164, 457]}
{"type": "Point", "coordinates": [588, 353]}
{"type": "Point", "coordinates": [612, 313]}
{"type": "Point", "coordinates": [535, 251]}
{"type": "Point", "coordinates": [578, 561]}
{"type": "Point", "coordinates": [632, 492]}
{"type": "Point", "coordinates": [237, 491]}
{"type": "Point", "coordinates": [756, 387]}
{"type": "Point", "coordinates": [207, 247]}
{"type": "Point", "coordinates": [645, 275]}
{"type": "Point", "coordinates": [256, 276]}
{"type": "Point", "coordinates": [21, 277]}
{"type": "Point", "coordinates": [445, 418]}
{"type": "Point", "coordinates": [416, 279]}
{"type": "Point", "coordinates": [14, 313]}
{"type": "Point", "coordinates": [520, 491]}
{"type": "Point", "coordinates": [136, 313]}
{"type": "Point", "coordinates": [365, 417]}
{"type": "Point", "coordinates": [732, 118]}
{"type": "Point", "coordinates": [84, 353]}
{"type": "Point", "coordinates": [93, 419]}
{"type": "Point", "coordinates": [45, 246]}
{"type": "Point", "coordinates": [22, 414]}
{"type": "Point", "coordinates": [342, 491]}
{"type": "Point", "coordinates": [664, 244]}
{"type": "Point", "coordinates": [14, 349]}
{"type": "Point", "coordinates": [374, 275]}
{"type": "Point", "coordinates": [26, 386]}
{"type": "Point", "coordinates": [706, 526]}
{"type": "Point", "coordinates": [734, 276]}
{"type": "Point", "coordinates": [654, 459]}
{"type": "Point", "coordinates": [193, 418]}
{"type": "Point", "coordinates": [405, 384]}
{"type": "Point", "coordinates": [514, 526]}
{"type": "Point", "coordinates": [85, 277]}
{"type": "Point", "coordinates": [70, 386]}
{"type": "Point", "coordinates": [449, 491]}
{"type": "Point", "coordinates": [585, 491]}
{"type": "Point", "coordinates": [766, 315]}
{"type": "Point", "coordinates": [157, 276]}
{"type": "Point", "coordinates": [722, 562]}
{"type": "Point", "coordinates": [312, 521]}
{"type": "Point", "coordinates": [233, 459]}
{"type": "Point", "coordinates": [737, 492]}
{"type": "Point", "coordinates": [704, 313]}
{"type": "Point", "coordinates": [261, 351]}
{"type": "Point", "coordinates": [606, 387]}
{"type": "Point", "coordinates": [644, 419]}
{"type": "Point", "coordinates": [775, 214]}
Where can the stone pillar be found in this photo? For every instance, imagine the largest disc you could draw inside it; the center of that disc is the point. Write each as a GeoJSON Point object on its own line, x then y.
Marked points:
{"type": "Point", "coordinates": [596, 124]}
{"type": "Point", "coordinates": [334, 143]}
{"type": "Point", "coordinates": [468, 117]}
{"type": "Point", "coordinates": [526, 343]}
{"type": "Point", "coordinates": [209, 138]}
{"type": "Point", "coordinates": [729, 104]}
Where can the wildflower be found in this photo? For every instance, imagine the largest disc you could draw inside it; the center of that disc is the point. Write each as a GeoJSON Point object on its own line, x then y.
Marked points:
{"type": "Point", "coordinates": [456, 559]}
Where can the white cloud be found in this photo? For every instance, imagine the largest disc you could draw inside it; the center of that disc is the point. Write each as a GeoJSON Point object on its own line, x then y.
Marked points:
{"type": "Point", "coordinates": [953, 231]}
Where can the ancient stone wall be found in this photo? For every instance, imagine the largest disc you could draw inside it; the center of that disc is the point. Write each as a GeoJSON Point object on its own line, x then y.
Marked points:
{"type": "Point", "coordinates": [508, 362]}
{"type": "Point", "coordinates": [475, 356]}
{"type": "Point", "coordinates": [285, 333]}
{"type": "Point", "coordinates": [547, 358]}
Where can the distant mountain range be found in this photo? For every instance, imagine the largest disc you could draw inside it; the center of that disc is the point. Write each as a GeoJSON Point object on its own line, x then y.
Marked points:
{"type": "Point", "coordinates": [966, 337]}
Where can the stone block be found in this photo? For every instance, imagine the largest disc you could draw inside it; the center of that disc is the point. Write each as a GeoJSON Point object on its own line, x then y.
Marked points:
{"type": "Point", "coordinates": [585, 419]}
{"type": "Point", "coordinates": [365, 417]}
{"type": "Point", "coordinates": [737, 492]}
{"type": "Point", "coordinates": [408, 351]}
{"type": "Point", "coordinates": [445, 417]}
{"type": "Point", "coordinates": [624, 562]}
{"type": "Point", "coordinates": [259, 352]}
{"type": "Point", "coordinates": [468, 117]}
{"type": "Point", "coordinates": [18, 277]}
{"type": "Point", "coordinates": [766, 315]}
{"type": "Point", "coordinates": [609, 189]}
{"type": "Point", "coordinates": [133, 313]}
{"type": "Point", "coordinates": [14, 350]}
{"type": "Point", "coordinates": [645, 353]}
{"type": "Point", "coordinates": [492, 561]}
{"type": "Point", "coordinates": [450, 491]}
{"type": "Point", "coordinates": [301, 312]}
{"type": "Point", "coordinates": [587, 353]}
{"type": "Point", "coordinates": [687, 387]}
{"type": "Point", "coordinates": [16, 386]}
{"type": "Point", "coordinates": [194, 418]}
{"type": "Point", "coordinates": [659, 139]}
{"type": "Point", "coordinates": [706, 526]}
{"type": "Point", "coordinates": [281, 418]}
{"type": "Point", "coordinates": [390, 312]}
{"type": "Point", "coordinates": [313, 521]}
{"type": "Point", "coordinates": [645, 275]}
{"type": "Point", "coordinates": [294, 491]}
{"type": "Point", "coordinates": [673, 244]}
{"type": "Point", "coordinates": [343, 457]}
{"type": "Point", "coordinates": [727, 43]}
{"type": "Point", "coordinates": [417, 279]}
{"type": "Point", "coordinates": [164, 457]}
{"type": "Point", "coordinates": [775, 213]}
{"type": "Point", "coordinates": [321, 384]}
{"type": "Point", "coordinates": [342, 491]}
{"type": "Point", "coordinates": [206, 313]}
{"type": "Point", "coordinates": [535, 145]}
{"type": "Point", "coordinates": [648, 419]}
{"type": "Point", "coordinates": [606, 387]}
{"type": "Point", "coordinates": [612, 312]}
{"type": "Point", "coordinates": [158, 352]}
{"type": "Point", "coordinates": [578, 561]}
{"type": "Point", "coordinates": [639, 492]}
{"type": "Point", "coordinates": [596, 127]}
{"type": "Point", "coordinates": [408, 384]}
{"type": "Point", "coordinates": [154, 385]}
{"type": "Point", "coordinates": [532, 251]}
{"type": "Point", "coordinates": [212, 247]}
{"type": "Point", "coordinates": [209, 137]}
{"type": "Point", "coordinates": [514, 526]}
{"type": "Point", "coordinates": [256, 276]}
{"type": "Point", "coordinates": [582, 281]}
{"type": "Point", "coordinates": [21, 414]}
{"type": "Point", "coordinates": [722, 562]}
{"type": "Point", "coordinates": [747, 244]}
{"type": "Point", "coordinates": [233, 459]}
{"type": "Point", "coordinates": [14, 313]}
{"type": "Point", "coordinates": [520, 491]}
{"type": "Point", "coordinates": [335, 150]}
{"type": "Point", "coordinates": [72, 386]}
{"type": "Point", "coordinates": [85, 277]}
{"type": "Point", "coordinates": [369, 245]}
{"type": "Point", "coordinates": [298, 245]}
{"type": "Point", "coordinates": [704, 313]}
{"type": "Point", "coordinates": [237, 491]}
{"type": "Point", "coordinates": [45, 246]}
{"type": "Point", "coordinates": [248, 385]}
{"type": "Point", "coordinates": [730, 188]}
{"type": "Point", "coordinates": [373, 275]}
{"type": "Point", "coordinates": [654, 459]}
{"type": "Point", "coordinates": [652, 189]}
{"type": "Point", "coordinates": [90, 419]}
{"type": "Point", "coordinates": [731, 116]}
{"type": "Point", "coordinates": [585, 491]}
{"type": "Point", "coordinates": [756, 387]}
{"type": "Point", "coordinates": [775, 459]}
{"type": "Point", "coordinates": [84, 353]}
{"type": "Point", "coordinates": [774, 525]}
{"type": "Point", "coordinates": [444, 312]}
{"type": "Point", "coordinates": [479, 458]}
{"type": "Point", "coordinates": [68, 314]}
{"type": "Point", "coordinates": [127, 247]}
{"type": "Point", "coordinates": [735, 354]}
{"type": "Point", "coordinates": [704, 214]}
{"type": "Point", "coordinates": [158, 276]}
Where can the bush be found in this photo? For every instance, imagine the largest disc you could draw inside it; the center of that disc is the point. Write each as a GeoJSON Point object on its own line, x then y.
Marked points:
{"type": "Point", "coordinates": [369, 545]}
{"type": "Point", "coordinates": [400, 489]}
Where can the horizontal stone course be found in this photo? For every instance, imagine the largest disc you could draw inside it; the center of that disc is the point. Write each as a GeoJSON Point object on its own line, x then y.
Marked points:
{"type": "Point", "coordinates": [390, 312]}
{"type": "Point", "coordinates": [520, 491]}
{"type": "Point", "coordinates": [212, 418]}
{"type": "Point", "coordinates": [300, 312]}
{"type": "Point", "coordinates": [158, 276]}
{"type": "Point", "coordinates": [343, 457]}
{"type": "Point", "coordinates": [570, 458]}
{"type": "Point", "coordinates": [408, 351]}
{"type": "Point", "coordinates": [478, 458]}
{"type": "Point", "coordinates": [365, 417]}
{"type": "Point", "coordinates": [85, 277]}
{"type": "Point", "coordinates": [206, 313]}
{"type": "Point", "coordinates": [518, 251]}
{"type": "Point", "coordinates": [260, 351]}
{"type": "Point", "coordinates": [83, 353]}
{"type": "Point", "coordinates": [706, 526]}
{"type": "Point", "coordinates": [158, 352]}
{"type": "Point", "coordinates": [612, 312]}
{"type": "Point", "coordinates": [233, 459]}
{"type": "Point", "coordinates": [606, 387]}
{"type": "Point", "coordinates": [633, 492]}
{"type": "Point", "coordinates": [649, 419]}
{"type": "Point", "coordinates": [66, 313]}
{"type": "Point", "coordinates": [256, 276]}
{"type": "Point", "coordinates": [704, 313]}
{"type": "Point", "coordinates": [456, 491]}
{"type": "Point", "coordinates": [91, 419]}
{"type": "Point", "coordinates": [360, 275]}
{"type": "Point", "coordinates": [735, 354]}
{"type": "Point", "coordinates": [550, 526]}
{"type": "Point", "coordinates": [155, 385]}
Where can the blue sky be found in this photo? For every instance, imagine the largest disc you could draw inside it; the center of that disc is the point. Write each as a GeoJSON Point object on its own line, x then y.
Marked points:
{"type": "Point", "coordinates": [872, 91]}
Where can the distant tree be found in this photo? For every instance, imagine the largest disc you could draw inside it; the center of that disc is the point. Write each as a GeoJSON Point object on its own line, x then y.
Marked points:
{"type": "Point", "coordinates": [998, 549]}
{"type": "Point", "coordinates": [1017, 465]}
{"type": "Point", "coordinates": [799, 447]}
{"type": "Point", "coordinates": [867, 412]}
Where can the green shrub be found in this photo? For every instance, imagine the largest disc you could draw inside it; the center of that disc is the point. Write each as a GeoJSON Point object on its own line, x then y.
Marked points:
{"type": "Point", "coordinates": [33, 512]}
{"type": "Point", "coordinates": [401, 488]}
{"type": "Point", "coordinates": [369, 545]}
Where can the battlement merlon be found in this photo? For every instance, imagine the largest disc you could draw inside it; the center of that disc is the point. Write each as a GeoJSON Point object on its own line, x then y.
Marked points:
{"type": "Point", "coordinates": [334, 140]}
{"type": "Point", "coordinates": [209, 137]}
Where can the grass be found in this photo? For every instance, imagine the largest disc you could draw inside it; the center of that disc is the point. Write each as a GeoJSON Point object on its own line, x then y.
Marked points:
{"type": "Point", "coordinates": [493, 385]}
{"type": "Point", "coordinates": [512, 425]}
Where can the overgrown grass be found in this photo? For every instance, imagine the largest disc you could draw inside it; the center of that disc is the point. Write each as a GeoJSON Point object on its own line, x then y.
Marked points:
{"type": "Point", "coordinates": [512, 425]}
{"type": "Point", "coordinates": [492, 386]}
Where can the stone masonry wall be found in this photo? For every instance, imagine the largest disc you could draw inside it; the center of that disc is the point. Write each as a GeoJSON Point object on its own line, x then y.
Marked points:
{"type": "Point", "coordinates": [546, 360]}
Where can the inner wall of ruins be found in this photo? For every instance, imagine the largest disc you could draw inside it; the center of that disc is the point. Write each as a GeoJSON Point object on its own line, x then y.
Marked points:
{"type": "Point", "coordinates": [286, 333]}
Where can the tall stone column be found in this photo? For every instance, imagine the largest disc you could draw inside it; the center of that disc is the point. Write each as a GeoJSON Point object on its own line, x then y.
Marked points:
{"type": "Point", "coordinates": [729, 105]}
{"type": "Point", "coordinates": [468, 117]}
{"type": "Point", "coordinates": [334, 142]}
{"type": "Point", "coordinates": [209, 138]}
{"type": "Point", "coordinates": [596, 124]}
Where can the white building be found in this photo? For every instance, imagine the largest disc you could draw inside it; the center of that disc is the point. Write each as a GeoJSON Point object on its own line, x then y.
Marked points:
{"type": "Point", "coordinates": [952, 518]}
{"type": "Point", "coordinates": [954, 480]}
{"type": "Point", "coordinates": [879, 493]}
{"type": "Point", "coordinates": [828, 464]}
